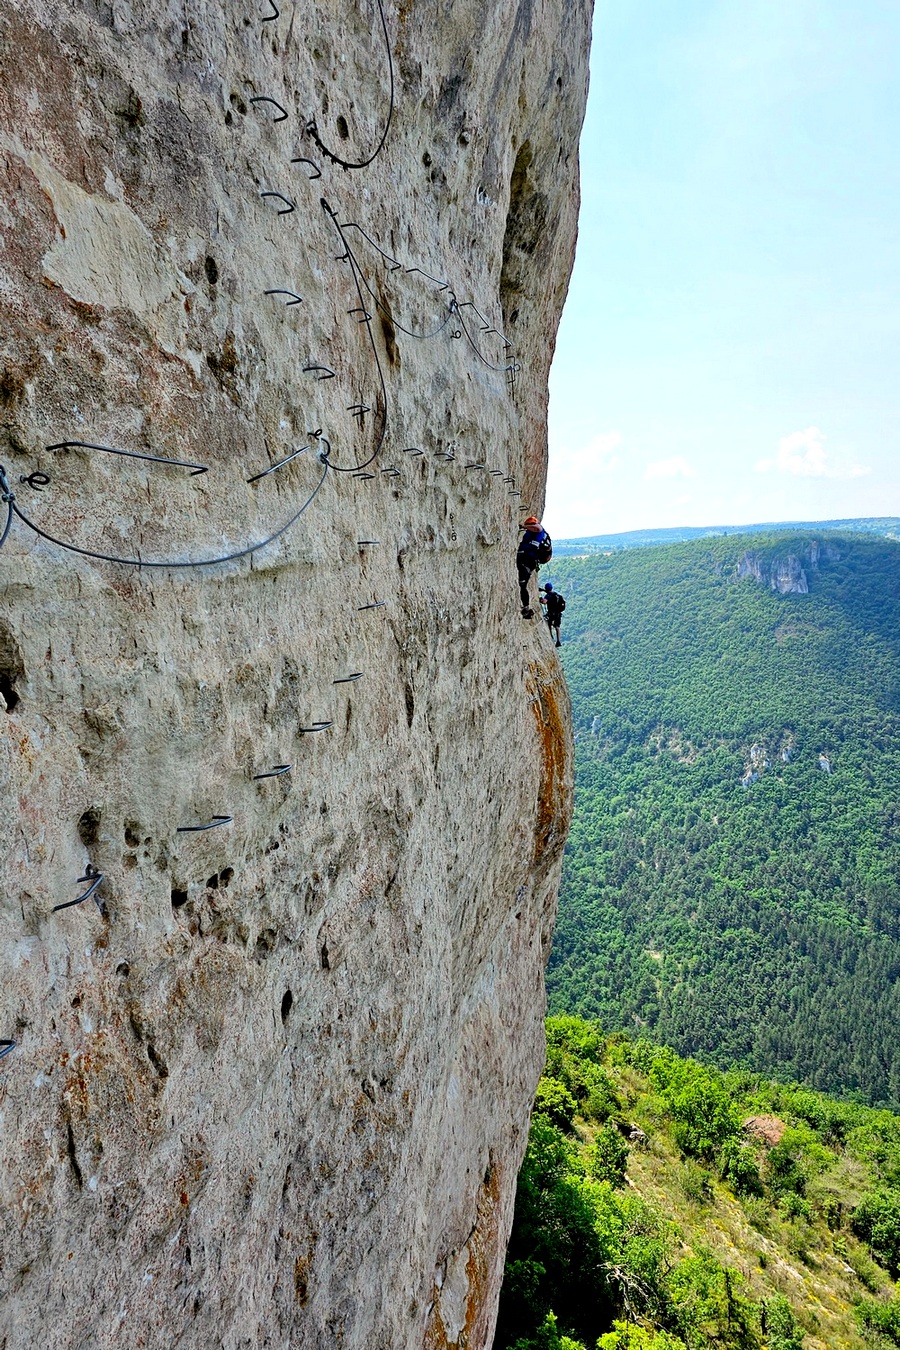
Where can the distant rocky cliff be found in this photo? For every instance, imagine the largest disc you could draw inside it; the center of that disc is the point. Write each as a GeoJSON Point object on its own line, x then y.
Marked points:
{"type": "Point", "coordinates": [268, 707]}
{"type": "Point", "coordinates": [786, 573]}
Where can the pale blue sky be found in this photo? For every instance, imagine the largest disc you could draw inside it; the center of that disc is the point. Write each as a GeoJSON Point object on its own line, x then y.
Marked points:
{"type": "Point", "coordinates": [730, 347]}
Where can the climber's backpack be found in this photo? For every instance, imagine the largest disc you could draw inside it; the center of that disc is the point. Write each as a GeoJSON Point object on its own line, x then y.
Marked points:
{"type": "Point", "coordinates": [545, 549]}
{"type": "Point", "coordinates": [561, 603]}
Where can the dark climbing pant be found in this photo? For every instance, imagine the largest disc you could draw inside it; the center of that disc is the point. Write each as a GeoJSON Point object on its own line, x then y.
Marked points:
{"type": "Point", "coordinates": [525, 570]}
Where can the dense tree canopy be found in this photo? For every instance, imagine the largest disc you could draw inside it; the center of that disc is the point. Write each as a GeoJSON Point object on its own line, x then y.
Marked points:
{"type": "Point", "coordinates": [665, 1205]}
{"type": "Point", "coordinates": [732, 878]}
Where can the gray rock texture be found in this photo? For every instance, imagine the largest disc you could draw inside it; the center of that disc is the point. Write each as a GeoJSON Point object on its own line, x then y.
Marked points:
{"type": "Point", "coordinates": [272, 1089]}
{"type": "Point", "coordinates": [784, 575]}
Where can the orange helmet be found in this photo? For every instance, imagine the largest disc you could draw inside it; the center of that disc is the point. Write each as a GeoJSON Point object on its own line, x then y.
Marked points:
{"type": "Point", "coordinates": [532, 522]}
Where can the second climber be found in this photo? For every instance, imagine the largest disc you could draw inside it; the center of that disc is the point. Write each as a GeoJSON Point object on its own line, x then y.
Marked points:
{"type": "Point", "coordinates": [553, 604]}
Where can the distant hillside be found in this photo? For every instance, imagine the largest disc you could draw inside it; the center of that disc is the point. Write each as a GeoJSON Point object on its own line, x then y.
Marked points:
{"type": "Point", "coordinates": [732, 879]}
{"type": "Point", "coordinates": [889, 526]}
{"type": "Point", "coordinates": [665, 1206]}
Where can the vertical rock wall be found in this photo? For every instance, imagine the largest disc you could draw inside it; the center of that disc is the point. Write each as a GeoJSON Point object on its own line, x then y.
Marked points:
{"type": "Point", "coordinates": [270, 1081]}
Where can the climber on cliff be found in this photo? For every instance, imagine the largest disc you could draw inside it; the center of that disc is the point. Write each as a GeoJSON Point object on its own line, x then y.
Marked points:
{"type": "Point", "coordinates": [535, 548]}
{"type": "Point", "coordinates": [553, 604]}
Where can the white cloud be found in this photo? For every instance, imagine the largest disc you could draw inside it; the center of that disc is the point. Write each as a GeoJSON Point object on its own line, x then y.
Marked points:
{"type": "Point", "coordinates": [579, 485]}
{"type": "Point", "coordinates": [676, 467]}
{"type": "Point", "coordinates": [803, 454]}
{"type": "Point", "coordinates": [598, 456]}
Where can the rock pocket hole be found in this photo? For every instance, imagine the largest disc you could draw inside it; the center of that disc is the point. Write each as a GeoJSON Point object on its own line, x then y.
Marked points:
{"type": "Point", "coordinates": [70, 1150]}
{"type": "Point", "coordinates": [286, 1004]}
{"type": "Point", "coordinates": [179, 897]}
{"type": "Point", "coordinates": [12, 668]}
{"type": "Point", "coordinates": [225, 875]}
{"type": "Point", "coordinates": [157, 1061]}
{"type": "Point", "coordinates": [89, 826]}
{"type": "Point", "coordinates": [342, 129]}
{"type": "Point", "coordinates": [389, 333]}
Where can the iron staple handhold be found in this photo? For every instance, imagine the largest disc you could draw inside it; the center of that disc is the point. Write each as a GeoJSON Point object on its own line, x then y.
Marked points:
{"type": "Point", "coordinates": [95, 878]}
{"type": "Point", "coordinates": [362, 474]}
{"type": "Point", "coordinates": [316, 171]}
{"type": "Point", "coordinates": [275, 772]}
{"type": "Point", "coordinates": [413, 450]}
{"type": "Point", "coordinates": [36, 480]}
{"type": "Point", "coordinates": [359, 409]}
{"type": "Point", "coordinates": [264, 98]}
{"type": "Point", "coordinates": [443, 285]}
{"type": "Point", "coordinates": [196, 469]}
{"type": "Point", "coordinates": [296, 300]}
{"type": "Point", "coordinates": [268, 18]}
{"type": "Point", "coordinates": [316, 726]}
{"type": "Point", "coordinates": [211, 825]}
{"type": "Point", "coordinates": [328, 375]}
{"type": "Point", "coordinates": [279, 465]}
{"type": "Point", "coordinates": [348, 679]}
{"type": "Point", "coordinates": [289, 205]}
{"type": "Point", "coordinates": [474, 465]}
{"type": "Point", "coordinates": [375, 604]}
{"type": "Point", "coordinates": [496, 473]}
{"type": "Point", "coordinates": [6, 1048]}
{"type": "Point", "coordinates": [362, 543]}
{"type": "Point", "coordinates": [470, 304]}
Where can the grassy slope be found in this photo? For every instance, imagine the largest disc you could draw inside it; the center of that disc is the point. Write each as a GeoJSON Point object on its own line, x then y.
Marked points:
{"type": "Point", "coordinates": [820, 1285]}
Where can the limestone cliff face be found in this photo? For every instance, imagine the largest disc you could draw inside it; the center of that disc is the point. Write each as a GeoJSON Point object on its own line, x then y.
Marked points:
{"type": "Point", "coordinates": [786, 574]}
{"type": "Point", "coordinates": [272, 1088]}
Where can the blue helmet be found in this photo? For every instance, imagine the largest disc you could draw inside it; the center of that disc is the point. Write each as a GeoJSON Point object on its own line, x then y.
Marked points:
{"type": "Point", "coordinates": [549, 586]}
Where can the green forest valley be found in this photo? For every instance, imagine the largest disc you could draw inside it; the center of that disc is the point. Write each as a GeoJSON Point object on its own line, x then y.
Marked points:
{"type": "Point", "coordinates": [732, 878]}
{"type": "Point", "coordinates": [666, 1205]}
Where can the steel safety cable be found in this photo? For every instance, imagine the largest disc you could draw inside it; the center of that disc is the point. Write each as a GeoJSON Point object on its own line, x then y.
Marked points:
{"type": "Point", "coordinates": [367, 320]}
{"type": "Point", "coordinates": [313, 131]}
{"type": "Point", "coordinates": [385, 310]}
{"type": "Point", "coordinates": [176, 563]}
{"type": "Point", "coordinates": [490, 365]}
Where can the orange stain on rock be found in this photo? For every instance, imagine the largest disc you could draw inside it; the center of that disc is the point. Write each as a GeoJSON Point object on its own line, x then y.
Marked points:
{"type": "Point", "coordinates": [484, 1267]}
{"type": "Point", "coordinates": [555, 796]}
